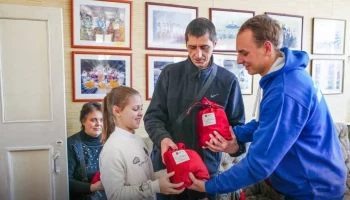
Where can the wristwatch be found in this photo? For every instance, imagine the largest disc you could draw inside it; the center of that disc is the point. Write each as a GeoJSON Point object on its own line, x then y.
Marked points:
{"type": "Point", "coordinates": [241, 150]}
{"type": "Point", "coordinates": [144, 186]}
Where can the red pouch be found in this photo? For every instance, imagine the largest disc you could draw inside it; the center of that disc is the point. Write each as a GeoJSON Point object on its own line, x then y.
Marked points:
{"type": "Point", "coordinates": [183, 161]}
{"type": "Point", "coordinates": [96, 177]}
{"type": "Point", "coordinates": [211, 118]}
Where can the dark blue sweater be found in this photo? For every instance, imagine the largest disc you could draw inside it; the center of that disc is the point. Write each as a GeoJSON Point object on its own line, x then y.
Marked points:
{"type": "Point", "coordinates": [176, 88]}
{"type": "Point", "coordinates": [91, 150]}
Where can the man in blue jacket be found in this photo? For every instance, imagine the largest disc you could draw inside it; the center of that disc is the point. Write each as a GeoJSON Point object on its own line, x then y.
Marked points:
{"type": "Point", "coordinates": [175, 91]}
{"type": "Point", "coordinates": [294, 141]}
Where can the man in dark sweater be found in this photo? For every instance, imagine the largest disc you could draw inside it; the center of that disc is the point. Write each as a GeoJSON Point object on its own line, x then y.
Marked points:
{"type": "Point", "coordinates": [176, 89]}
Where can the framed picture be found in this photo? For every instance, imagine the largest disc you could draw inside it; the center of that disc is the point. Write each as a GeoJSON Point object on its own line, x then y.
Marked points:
{"type": "Point", "coordinates": [155, 63]}
{"type": "Point", "coordinates": [96, 73]}
{"type": "Point", "coordinates": [227, 23]}
{"type": "Point", "coordinates": [328, 36]}
{"type": "Point", "coordinates": [328, 75]}
{"type": "Point", "coordinates": [230, 63]}
{"type": "Point", "coordinates": [292, 27]}
{"type": "Point", "coordinates": [166, 25]}
{"type": "Point", "coordinates": [101, 24]}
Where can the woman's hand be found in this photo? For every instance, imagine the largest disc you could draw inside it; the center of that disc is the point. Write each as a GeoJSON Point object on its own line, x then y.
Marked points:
{"type": "Point", "coordinates": [96, 186]}
{"type": "Point", "coordinates": [169, 188]}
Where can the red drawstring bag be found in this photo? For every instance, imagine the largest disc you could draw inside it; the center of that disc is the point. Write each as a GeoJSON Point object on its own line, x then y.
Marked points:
{"type": "Point", "coordinates": [183, 161]}
{"type": "Point", "coordinates": [96, 177]}
{"type": "Point", "coordinates": [211, 118]}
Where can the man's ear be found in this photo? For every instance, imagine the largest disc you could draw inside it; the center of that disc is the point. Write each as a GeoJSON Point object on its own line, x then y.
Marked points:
{"type": "Point", "coordinates": [214, 43]}
{"type": "Point", "coordinates": [116, 111]}
{"type": "Point", "coordinates": [268, 48]}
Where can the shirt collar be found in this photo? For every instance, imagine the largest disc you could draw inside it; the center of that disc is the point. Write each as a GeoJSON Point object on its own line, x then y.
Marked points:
{"type": "Point", "coordinates": [123, 133]}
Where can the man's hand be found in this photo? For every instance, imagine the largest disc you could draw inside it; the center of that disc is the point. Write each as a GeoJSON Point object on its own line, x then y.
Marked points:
{"type": "Point", "coordinates": [219, 144]}
{"type": "Point", "coordinates": [96, 186]}
{"type": "Point", "coordinates": [165, 144]}
{"type": "Point", "coordinates": [197, 184]}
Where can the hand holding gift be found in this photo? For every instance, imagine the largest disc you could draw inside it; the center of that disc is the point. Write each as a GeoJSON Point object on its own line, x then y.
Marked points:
{"type": "Point", "coordinates": [183, 161]}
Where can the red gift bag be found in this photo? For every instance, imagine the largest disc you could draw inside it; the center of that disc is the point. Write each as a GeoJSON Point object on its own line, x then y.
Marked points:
{"type": "Point", "coordinates": [183, 161]}
{"type": "Point", "coordinates": [211, 118]}
{"type": "Point", "coordinates": [96, 177]}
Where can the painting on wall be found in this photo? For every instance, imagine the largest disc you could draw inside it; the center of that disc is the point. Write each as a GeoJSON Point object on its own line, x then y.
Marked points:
{"type": "Point", "coordinates": [328, 36]}
{"type": "Point", "coordinates": [230, 63]}
{"type": "Point", "coordinates": [328, 75]}
{"type": "Point", "coordinates": [96, 73]}
{"type": "Point", "coordinates": [292, 27]}
{"type": "Point", "coordinates": [155, 63]}
{"type": "Point", "coordinates": [101, 24]}
{"type": "Point", "coordinates": [227, 23]}
{"type": "Point", "coordinates": [166, 25]}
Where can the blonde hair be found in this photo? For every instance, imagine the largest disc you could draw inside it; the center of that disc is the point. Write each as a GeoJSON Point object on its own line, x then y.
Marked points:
{"type": "Point", "coordinates": [118, 96]}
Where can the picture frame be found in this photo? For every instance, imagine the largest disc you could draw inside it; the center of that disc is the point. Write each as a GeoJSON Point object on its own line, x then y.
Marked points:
{"type": "Point", "coordinates": [155, 63]}
{"type": "Point", "coordinates": [229, 62]}
{"type": "Point", "coordinates": [103, 24]}
{"type": "Point", "coordinates": [96, 73]}
{"type": "Point", "coordinates": [227, 23]}
{"type": "Point", "coordinates": [292, 28]}
{"type": "Point", "coordinates": [328, 75]}
{"type": "Point", "coordinates": [328, 36]}
{"type": "Point", "coordinates": [166, 25]}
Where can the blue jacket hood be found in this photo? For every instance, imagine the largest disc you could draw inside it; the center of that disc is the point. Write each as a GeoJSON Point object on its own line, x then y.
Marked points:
{"type": "Point", "coordinates": [293, 60]}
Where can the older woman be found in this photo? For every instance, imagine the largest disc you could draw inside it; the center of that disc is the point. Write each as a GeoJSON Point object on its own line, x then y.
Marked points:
{"type": "Point", "coordinates": [84, 149]}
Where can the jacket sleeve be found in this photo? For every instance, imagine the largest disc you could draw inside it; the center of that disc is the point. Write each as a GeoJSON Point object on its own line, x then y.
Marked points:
{"type": "Point", "coordinates": [235, 110]}
{"type": "Point", "coordinates": [75, 186]}
{"type": "Point", "coordinates": [281, 122]}
{"type": "Point", "coordinates": [245, 133]}
{"type": "Point", "coordinates": [235, 106]}
{"type": "Point", "coordinates": [113, 171]}
{"type": "Point", "coordinates": [156, 115]}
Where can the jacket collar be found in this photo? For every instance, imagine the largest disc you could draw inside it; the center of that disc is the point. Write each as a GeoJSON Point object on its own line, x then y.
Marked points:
{"type": "Point", "coordinates": [195, 72]}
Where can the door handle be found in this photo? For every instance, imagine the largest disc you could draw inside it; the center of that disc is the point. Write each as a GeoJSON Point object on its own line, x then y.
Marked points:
{"type": "Point", "coordinates": [56, 164]}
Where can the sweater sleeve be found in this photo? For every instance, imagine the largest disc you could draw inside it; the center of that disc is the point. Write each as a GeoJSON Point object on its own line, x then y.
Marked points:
{"type": "Point", "coordinates": [160, 173]}
{"type": "Point", "coordinates": [245, 133]}
{"type": "Point", "coordinates": [113, 171]}
{"type": "Point", "coordinates": [75, 186]}
{"type": "Point", "coordinates": [281, 122]}
{"type": "Point", "coordinates": [156, 115]}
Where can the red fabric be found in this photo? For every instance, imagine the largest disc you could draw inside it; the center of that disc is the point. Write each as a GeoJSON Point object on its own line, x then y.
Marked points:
{"type": "Point", "coordinates": [268, 182]}
{"type": "Point", "coordinates": [183, 161]}
{"type": "Point", "coordinates": [211, 110]}
{"type": "Point", "coordinates": [96, 177]}
{"type": "Point", "coordinates": [242, 195]}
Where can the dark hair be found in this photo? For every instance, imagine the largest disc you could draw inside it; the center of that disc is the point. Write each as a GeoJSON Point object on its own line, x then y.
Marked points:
{"type": "Point", "coordinates": [199, 27]}
{"type": "Point", "coordinates": [118, 96]}
{"type": "Point", "coordinates": [264, 29]}
{"type": "Point", "coordinates": [88, 108]}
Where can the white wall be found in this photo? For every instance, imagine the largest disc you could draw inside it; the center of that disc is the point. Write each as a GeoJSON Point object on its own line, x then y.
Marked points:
{"type": "Point", "coordinates": [339, 9]}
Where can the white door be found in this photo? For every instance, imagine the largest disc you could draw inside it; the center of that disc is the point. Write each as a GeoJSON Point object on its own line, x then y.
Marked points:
{"type": "Point", "coordinates": [32, 104]}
